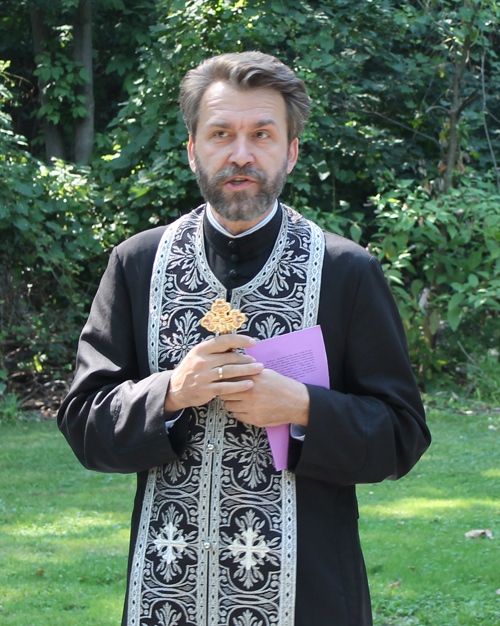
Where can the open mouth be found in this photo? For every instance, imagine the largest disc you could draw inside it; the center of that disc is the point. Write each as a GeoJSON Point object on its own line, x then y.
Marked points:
{"type": "Point", "coordinates": [239, 182]}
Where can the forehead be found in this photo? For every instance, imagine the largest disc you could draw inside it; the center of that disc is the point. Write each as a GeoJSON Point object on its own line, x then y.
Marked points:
{"type": "Point", "coordinates": [222, 102]}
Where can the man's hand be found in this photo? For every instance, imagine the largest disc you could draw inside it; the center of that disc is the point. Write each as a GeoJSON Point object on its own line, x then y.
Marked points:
{"type": "Point", "coordinates": [196, 380]}
{"type": "Point", "coordinates": [272, 400]}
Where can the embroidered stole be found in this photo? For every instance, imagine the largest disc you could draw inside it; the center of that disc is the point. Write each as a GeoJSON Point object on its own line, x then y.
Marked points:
{"type": "Point", "coordinates": [217, 539]}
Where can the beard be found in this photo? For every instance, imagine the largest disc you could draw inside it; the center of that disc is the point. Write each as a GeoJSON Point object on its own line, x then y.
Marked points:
{"type": "Point", "coordinates": [244, 205]}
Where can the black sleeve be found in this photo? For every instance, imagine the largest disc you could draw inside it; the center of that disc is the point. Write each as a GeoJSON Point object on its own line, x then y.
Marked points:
{"type": "Point", "coordinates": [113, 416]}
{"type": "Point", "coordinates": [370, 425]}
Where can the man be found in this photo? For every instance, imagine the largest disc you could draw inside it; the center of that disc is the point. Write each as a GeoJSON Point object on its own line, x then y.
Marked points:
{"type": "Point", "coordinates": [219, 537]}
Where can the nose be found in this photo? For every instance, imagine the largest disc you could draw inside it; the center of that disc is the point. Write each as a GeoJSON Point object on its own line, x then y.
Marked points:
{"type": "Point", "coordinates": [241, 153]}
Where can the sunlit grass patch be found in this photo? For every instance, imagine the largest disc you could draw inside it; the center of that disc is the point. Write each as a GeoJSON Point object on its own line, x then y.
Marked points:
{"type": "Point", "coordinates": [491, 473]}
{"type": "Point", "coordinates": [63, 533]}
{"type": "Point", "coordinates": [426, 508]}
{"type": "Point", "coordinates": [422, 568]}
{"type": "Point", "coordinates": [73, 525]}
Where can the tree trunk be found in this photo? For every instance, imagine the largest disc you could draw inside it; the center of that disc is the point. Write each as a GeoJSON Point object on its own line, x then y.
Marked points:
{"type": "Point", "coordinates": [452, 150]}
{"type": "Point", "coordinates": [458, 105]}
{"type": "Point", "coordinates": [84, 126]}
{"type": "Point", "coordinates": [54, 139]}
{"type": "Point", "coordinates": [458, 72]}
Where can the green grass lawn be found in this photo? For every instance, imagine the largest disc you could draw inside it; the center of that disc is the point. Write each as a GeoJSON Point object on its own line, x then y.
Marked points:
{"type": "Point", "coordinates": [64, 531]}
{"type": "Point", "coordinates": [422, 569]}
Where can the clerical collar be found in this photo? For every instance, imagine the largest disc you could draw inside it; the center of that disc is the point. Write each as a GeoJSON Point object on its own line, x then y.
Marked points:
{"type": "Point", "coordinates": [213, 221]}
{"type": "Point", "coordinates": [249, 244]}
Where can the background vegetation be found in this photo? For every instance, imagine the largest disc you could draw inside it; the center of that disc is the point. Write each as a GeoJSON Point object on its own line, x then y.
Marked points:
{"type": "Point", "coordinates": [401, 155]}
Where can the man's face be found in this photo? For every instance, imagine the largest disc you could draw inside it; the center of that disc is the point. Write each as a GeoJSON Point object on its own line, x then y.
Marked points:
{"type": "Point", "coordinates": [241, 154]}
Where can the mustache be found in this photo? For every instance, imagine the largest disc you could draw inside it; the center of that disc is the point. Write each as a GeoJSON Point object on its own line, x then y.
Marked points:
{"type": "Point", "coordinates": [234, 170]}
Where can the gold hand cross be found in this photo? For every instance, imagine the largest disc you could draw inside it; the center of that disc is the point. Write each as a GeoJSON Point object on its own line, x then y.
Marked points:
{"type": "Point", "coordinates": [221, 319]}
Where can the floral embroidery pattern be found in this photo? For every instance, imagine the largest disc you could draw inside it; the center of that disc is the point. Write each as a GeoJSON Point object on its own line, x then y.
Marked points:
{"type": "Point", "coordinates": [289, 265]}
{"type": "Point", "coordinates": [183, 257]}
{"type": "Point", "coordinates": [179, 343]}
{"type": "Point", "coordinates": [252, 452]}
{"type": "Point", "coordinates": [247, 619]}
{"type": "Point", "coordinates": [166, 616]}
{"type": "Point", "coordinates": [170, 543]}
{"type": "Point", "coordinates": [177, 469]}
{"type": "Point", "coordinates": [218, 525]}
{"type": "Point", "coordinates": [270, 327]}
{"type": "Point", "coordinates": [250, 549]}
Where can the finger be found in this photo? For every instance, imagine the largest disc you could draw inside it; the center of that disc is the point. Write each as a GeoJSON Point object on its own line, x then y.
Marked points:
{"type": "Point", "coordinates": [223, 389]}
{"type": "Point", "coordinates": [235, 396]}
{"type": "Point", "coordinates": [241, 417]}
{"type": "Point", "coordinates": [229, 358]}
{"type": "Point", "coordinates": [214, 361]}
{"type": "Point", "coordinates": [223, 343]}
{"type": "Point", "coordinates": [234, 407]}
{"type": "Point", "coordinates": [224, 372]}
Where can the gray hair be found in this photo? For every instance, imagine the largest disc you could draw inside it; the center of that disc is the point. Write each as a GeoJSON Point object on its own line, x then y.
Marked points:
{"type": "Point", "coordinates": [246, 70]}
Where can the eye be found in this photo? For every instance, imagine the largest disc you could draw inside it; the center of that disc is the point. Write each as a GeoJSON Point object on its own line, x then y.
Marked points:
{"type": "Point", "coordinates": [262, 134]}
{"type": "Point", "coordinates": [221, 134]}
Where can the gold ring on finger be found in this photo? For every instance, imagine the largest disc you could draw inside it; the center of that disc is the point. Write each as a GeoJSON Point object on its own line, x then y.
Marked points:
{"type": "Point", "coordinates": [221, 376]}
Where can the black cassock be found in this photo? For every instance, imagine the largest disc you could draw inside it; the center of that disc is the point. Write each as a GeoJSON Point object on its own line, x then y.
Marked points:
{"type": "Point", "coordinates": [369, 426]}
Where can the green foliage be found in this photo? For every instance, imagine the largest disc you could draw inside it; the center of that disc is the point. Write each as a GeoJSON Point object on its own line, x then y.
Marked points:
{"type": "Point", "coordinates": [387, 97]}
{"type": "Point", "coordinates": [442, 257]}
{"type": "Point", "coordinates": [9, 406]}
{"type": "Point", "coordinates": [483, 374]}
{"type": "Point", "coordinates": [119, 28]}
{"type": "Point", "coordinates": [52, 236]}
{"type": "Point", "coordinates": [61, 78]}
{"type": "Point", "coordinates": [53, 231]}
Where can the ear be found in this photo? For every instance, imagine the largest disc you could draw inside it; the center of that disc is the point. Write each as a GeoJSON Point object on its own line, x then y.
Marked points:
{"type": "Point", "coordinates": [190, 151]}
{"type": "Point", "coordinates": [293, 155]}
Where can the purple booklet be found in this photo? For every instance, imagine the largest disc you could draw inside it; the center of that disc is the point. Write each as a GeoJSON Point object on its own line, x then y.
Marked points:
{"type": "Point", "coordinates": [302, 356]}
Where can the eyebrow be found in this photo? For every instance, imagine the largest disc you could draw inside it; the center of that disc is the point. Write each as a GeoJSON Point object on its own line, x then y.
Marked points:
{"type": "Point", "coordinates": [259, 124]}
{"type": "Point", "coordinates": [265, 122]}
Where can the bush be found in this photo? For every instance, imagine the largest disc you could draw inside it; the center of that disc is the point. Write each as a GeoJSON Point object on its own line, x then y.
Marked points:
{"type": "Point", "coordinates": [442, 258]}
{"type": "Point", "coordinates": [54, 227]}
{"type": "Point", "coordinates": [9, 408]}
{"type": "Point", "coordinates": [372, 70]}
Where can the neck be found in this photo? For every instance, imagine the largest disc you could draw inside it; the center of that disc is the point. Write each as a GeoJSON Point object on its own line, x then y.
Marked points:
{"type": "Point", "coordinates": [236, 228]}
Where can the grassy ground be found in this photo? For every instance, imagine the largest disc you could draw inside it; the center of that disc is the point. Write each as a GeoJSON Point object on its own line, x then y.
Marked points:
{"type": "Point", "coordinates": [422, 568]}
{"type": "Point", "coordinates": [64, 532]}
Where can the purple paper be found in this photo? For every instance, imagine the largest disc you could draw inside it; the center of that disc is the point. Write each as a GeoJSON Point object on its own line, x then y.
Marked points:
{"type": "Point", "coordinates": [302, 356]}
{"type": "Point", "coordinates": [278, 437]}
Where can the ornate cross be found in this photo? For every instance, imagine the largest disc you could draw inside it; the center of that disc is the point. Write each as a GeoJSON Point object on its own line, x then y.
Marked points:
{"type": "Point", "coordinates": [221, 319]}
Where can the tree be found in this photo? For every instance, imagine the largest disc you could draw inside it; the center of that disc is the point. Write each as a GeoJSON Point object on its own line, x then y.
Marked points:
{"type": "Point", "coordinates": [54, 137]}
{"type": "Point", "coordinates": [65, 79]}
{"type": "Point", "coordinates": [458, 34]}
{"type": "Point", "coordinates": [380, 74]}
{"type": "Point", "coordinates": [405, 108]}
{"type": "Point", "coordinates": [84, 125]}
{"type": "Point", "coordinates": [81, 52]}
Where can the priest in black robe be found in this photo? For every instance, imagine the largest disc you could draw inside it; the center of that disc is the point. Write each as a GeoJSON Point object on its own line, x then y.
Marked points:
{"type": "Point", "coordinates": [219, 537]}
